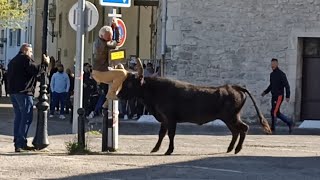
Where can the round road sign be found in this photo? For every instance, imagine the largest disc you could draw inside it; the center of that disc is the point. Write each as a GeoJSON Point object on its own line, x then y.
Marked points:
{"type": "Point", "coordinates": [122, 32]}
{"type": "Point", "coordinates": [91, 16]}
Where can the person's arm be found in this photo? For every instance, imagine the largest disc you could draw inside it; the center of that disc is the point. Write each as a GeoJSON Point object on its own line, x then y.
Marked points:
{"type": "Point", "coordinates": [33, 68]}
{"type": "Point", "coordinates": [52, 82]}
{"type": "Point", "coordinates": [112, 44]}
{"type": "Point", "coordinates": [268, 89]}
{"type": "Point", "coordinates": [68, 83]}
{"type": "Point", "coordinates": [285, 83]}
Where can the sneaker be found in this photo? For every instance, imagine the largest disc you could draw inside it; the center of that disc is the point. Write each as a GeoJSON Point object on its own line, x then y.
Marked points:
{"type": "Point", "coordinates": [62, 117]}
{"type": "Point", "coordinates": [91, 115]}
{"type": "Point", "coordinates": [51, 116]}
{"type": "Point", "coordinates": [112, 96]}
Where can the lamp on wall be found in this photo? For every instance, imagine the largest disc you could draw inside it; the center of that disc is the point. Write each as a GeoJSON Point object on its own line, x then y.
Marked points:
{"type": "Point", "coordinates": [52, 19]}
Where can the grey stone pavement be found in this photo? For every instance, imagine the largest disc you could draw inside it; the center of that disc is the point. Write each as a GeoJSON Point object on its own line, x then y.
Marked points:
{"type": "Point", "coordinates": [199, 154]}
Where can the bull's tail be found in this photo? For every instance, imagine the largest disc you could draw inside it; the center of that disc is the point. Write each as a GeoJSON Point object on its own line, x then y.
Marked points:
{"type": "Point", "coordinates": [262, 119]}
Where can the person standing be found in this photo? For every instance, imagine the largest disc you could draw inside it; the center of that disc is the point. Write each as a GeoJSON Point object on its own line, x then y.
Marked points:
{"type": "Point", "coordinates": [278, 82]}
{"type": "Point", "coordinates": [1, 78]}
{"type": "Point", "coordinates": [70, 93]}
{"type": "Point", "coordinates": [5, 82]}
{"type": "Point", "coordinates": [22, 78]}
{"type": "Point", "coordinates": [59, 85]}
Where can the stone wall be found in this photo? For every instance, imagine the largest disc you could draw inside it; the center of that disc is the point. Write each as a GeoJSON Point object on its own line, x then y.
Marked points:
{"type": "Point", "coordinates": [213, 42]}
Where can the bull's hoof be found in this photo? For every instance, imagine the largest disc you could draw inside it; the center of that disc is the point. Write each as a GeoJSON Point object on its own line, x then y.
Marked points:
{"type": "Point", "coordinates": [154, 150]}
{"type": "Point", "coordinates": [229, 149]}
{"type": "Point", "coordinates": [169, 152]}
{"type": "Point", "coordinates": [237, 150]}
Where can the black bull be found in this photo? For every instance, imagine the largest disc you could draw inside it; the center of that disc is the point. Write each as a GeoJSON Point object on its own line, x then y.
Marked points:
{"type": "Point", "coordinates": [172, 102]}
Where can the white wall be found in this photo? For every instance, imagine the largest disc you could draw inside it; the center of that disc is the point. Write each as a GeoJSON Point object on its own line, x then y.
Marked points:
{"type": "Point", "coordinates": [27, 36]}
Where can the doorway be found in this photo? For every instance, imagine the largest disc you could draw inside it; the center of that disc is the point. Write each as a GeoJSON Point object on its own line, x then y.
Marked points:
{"type": "Point", "coordinates": [310, 100]}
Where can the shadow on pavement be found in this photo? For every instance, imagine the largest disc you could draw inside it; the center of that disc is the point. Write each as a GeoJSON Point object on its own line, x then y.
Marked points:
{"type": "Point", "coordinates": [224, 168]}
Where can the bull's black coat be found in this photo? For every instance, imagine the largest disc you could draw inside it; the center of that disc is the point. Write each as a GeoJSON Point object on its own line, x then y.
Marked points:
{"type": "Point", "coordinates": [172, 102]}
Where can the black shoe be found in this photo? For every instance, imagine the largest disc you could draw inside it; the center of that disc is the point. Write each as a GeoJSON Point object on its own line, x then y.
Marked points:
{"type": "Point", "coordinates": [29, 148]}
{"type": "Point", "coordinates": [18, 150]}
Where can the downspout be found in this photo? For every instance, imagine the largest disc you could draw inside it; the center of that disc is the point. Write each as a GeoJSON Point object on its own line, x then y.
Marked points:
{"type": "Point", "coordinates": [138, 33]}
{"type": "Point", "coordinates": [163, 35]}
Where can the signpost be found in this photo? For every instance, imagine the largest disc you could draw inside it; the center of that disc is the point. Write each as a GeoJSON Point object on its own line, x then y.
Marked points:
{"type": "Point", "coordinates": [111, 122]}
{"type": "Point", "coordinates": [83, 17]}
{"type": "Point", "coordinates": [122, 32]}
{"type": "Point", "coordinates": [116, 3]}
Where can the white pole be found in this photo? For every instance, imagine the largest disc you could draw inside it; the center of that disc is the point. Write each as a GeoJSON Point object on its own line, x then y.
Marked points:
{"type": "Point", "coordinates": [78, 81]}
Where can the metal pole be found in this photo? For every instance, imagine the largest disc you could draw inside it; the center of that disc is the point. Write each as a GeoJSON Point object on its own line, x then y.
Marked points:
{"type": "Point", "coordinates": [40, 140]}
{"type": "Point", "coordinates": [105, 130]}
{"type": "Point", "coordinates": [81, 128]}
{"type": "Point", "coordinates": [78, 82]}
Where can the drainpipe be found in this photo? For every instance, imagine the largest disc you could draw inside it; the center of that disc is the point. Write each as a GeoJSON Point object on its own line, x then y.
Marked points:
{"type": "Point", "coordinates": [163, 35]}
{"type": "Point", "coordinates": [138, 33]}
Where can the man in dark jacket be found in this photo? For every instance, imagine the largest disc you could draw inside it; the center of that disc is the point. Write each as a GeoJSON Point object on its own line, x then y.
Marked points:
{"type": "Point", "coordinates": [278, 82]}
{"type": "Point", "coordinates": [22, 74]}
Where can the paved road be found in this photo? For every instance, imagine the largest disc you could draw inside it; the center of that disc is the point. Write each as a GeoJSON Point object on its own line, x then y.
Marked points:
{"type": "Point", "coordinates": [199, 154]}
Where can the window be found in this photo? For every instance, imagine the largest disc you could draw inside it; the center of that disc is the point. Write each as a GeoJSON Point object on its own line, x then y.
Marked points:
{"type": "Point", "coordinates": [2, 33]}
{"type": "Point", "coordinates": [14, 37]}
{"type": "Point", "coordinates": [10, 37]}
{"type": "Point", "coordinates": [18, 37]}
{"type": "Point", "coordinates": [1, 50]}
{"type": "Point", "coordinates": [30, 35]}
{"type": "Point", "coordinates": [26, 35]}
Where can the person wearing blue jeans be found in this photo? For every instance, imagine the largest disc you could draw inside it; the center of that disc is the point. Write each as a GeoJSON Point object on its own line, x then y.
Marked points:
{"type": "Point", "coordinates": [23, 110]}
{"type": "Point", "coordinates": [60, 84]}
{"type": "Point", "coordinates": [22, 78]}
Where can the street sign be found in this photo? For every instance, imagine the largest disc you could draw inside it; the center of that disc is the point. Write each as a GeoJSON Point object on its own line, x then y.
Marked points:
{"type": "Point", "coordinates": [122, 32]}
{"type": "Point", "coordinates": [117, 55]}
{"type": "Point", "coordinates": [91, 16]}
{"type": "Point", "coordinates": [116, 3]}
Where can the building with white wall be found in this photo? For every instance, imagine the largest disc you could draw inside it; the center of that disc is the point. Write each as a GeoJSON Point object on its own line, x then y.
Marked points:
{"type": "Point", "coordinates": [11, 39]}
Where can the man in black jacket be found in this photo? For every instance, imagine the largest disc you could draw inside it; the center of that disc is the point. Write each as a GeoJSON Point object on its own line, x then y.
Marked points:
{"type": "Point", "coordinates": [22, 74]}
{"type": "Point", "coordinates": [278, 81]}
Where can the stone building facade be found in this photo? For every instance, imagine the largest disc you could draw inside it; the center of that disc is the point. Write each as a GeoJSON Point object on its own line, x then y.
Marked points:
{"type": "Point", "coordinates": [232, 41]}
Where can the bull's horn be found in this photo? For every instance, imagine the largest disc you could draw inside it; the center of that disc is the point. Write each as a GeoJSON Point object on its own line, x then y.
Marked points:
{"type": "Point", "coordinates": [139, 67]}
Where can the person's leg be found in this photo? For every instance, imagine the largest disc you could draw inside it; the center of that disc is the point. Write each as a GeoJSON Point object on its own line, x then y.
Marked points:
{"type": "Point", "coordinates": [273, 117]}
{"type": "Point", "coordinates": [0, 89]}
{"type": "Point", "coordinates": [62, 99]}
{"type": "Point", "coordinates": [54, 102]}
{"type": "Point", "coordinates": [17, 116]}
{"type": "Point", "coordinates": [114, 78]}
{"type": "Point", "coordinates": [25, 105]}
{"type": "Point", "coordinates": [68, 103]}
{"type": "Point", "coordinates": [6, 88]}
{"type": "Point", "coordinates": [29, 107]}
{"type": "Point", "coordinates": [99, 104]}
